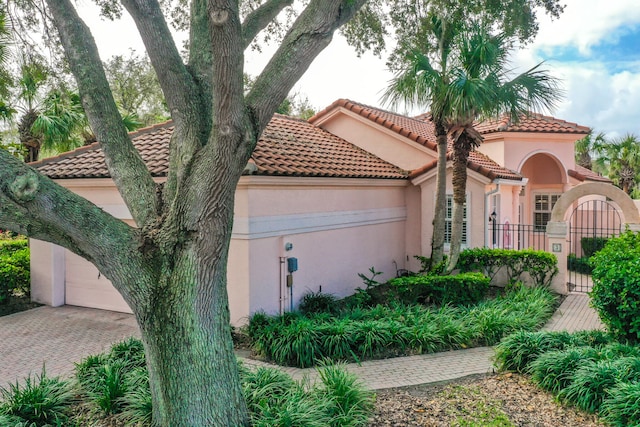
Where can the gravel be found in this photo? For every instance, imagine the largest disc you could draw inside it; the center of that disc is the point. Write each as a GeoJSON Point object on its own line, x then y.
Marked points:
{"type": "Point", "coordinates": [480, 400]}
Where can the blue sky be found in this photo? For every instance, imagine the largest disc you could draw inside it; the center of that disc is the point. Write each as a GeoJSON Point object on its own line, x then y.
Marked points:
{"type": "Point", "coordinates": [594, 48]}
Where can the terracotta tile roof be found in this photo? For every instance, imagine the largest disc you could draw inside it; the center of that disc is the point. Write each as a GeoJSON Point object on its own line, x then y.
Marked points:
{"type": "Point", "coordinates": [532, 123]}
{"type": "Point", "coordinates": [288, 147]}
{"type": "Point", "coordinates": [419, 129]}
{"type": "Point", "coordinates": [583, 174]}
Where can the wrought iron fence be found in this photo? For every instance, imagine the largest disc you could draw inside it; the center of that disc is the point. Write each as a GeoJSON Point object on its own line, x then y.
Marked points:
{"type": "Point", "coordinates": [516, 236]}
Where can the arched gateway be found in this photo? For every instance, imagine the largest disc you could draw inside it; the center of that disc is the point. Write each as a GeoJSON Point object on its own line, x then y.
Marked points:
{"type": "Point", "coordinates": [558, 228]}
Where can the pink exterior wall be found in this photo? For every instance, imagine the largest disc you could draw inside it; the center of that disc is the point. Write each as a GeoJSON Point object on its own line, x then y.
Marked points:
{"type": "Point", "coordinates": [337, 228]}
{"type": "Point", "coordinates": [476, 214]}
{"type": "Point", "coordinates": [376, 139]}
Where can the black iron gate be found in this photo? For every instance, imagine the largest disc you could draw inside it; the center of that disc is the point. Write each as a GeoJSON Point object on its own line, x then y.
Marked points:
{"type": "Point", "coordinates": [590, 225]}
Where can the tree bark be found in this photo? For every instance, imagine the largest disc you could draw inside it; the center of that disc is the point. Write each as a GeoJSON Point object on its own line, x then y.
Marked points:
{"type": "Point", "coordinates": [462, 148]}
{"type": "Point", "coordinates": [172, 269]}
{"type": "Point", "coordinates": [440, 207]}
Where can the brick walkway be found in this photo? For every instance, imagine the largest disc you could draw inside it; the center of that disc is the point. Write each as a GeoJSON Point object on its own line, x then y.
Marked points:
{"type": "Point", "coordinates": [64, 335]}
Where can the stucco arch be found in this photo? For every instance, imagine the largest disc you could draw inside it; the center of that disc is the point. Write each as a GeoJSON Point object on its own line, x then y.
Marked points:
{"type": "Point", "coordinates": [561, 169]}
{"type": "Point", "coordinates": [629, 209]}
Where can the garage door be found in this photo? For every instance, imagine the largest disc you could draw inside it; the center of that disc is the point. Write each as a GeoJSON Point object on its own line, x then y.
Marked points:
{"type": "Point", "coordinates": [86, 287]}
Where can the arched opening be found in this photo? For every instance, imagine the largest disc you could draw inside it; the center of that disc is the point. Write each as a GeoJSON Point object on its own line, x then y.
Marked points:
{"type": "Point", "coordinates": [546, 181]}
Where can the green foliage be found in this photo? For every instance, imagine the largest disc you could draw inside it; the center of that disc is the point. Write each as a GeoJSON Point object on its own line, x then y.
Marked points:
{"type": "Point", "coordinates": [591, 382]}
{"type": "Point", "coordinates": [541, 266]}
{"type": "Point", "coordinates": [40, 401]}
{"type": "Point", "coordinates": [466, 288]}
{"type": "Point", "coordinates": [319, 302]}
{"type": "Point", "coordinates": [398, 329]}
{"type": "Point", "coordinates": [591, 245]}
{"type": "Point", "coordinates": [274, 399]}
{"type": "Point", "coordinates": [104, 380]}
{"type": "Point", "coordinates": [621, 407]}
{"type": "Point", "coordinates": [15, 271]}
{"type": "Point", "coordinates": [579, 265]}
{"type": "Point", "coordinates": [517, 351]}
{"type": "Point", "coordinates": [553, 370]}
{"type": "Point", "coordinates": [616, 289]}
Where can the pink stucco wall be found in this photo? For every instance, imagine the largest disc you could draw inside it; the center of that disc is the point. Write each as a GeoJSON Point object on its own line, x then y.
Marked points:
{"type": "Point", "coordinates": [376, 139]}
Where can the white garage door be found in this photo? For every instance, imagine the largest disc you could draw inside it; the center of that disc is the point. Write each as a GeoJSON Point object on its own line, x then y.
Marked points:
{"type": "Point", "coordinates": [86, 287]}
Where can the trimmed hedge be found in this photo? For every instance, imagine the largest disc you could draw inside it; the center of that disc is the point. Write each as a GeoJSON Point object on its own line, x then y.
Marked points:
{"type": "Point", "coordinates": [542, 266]}
{"type": "Point", "coordinates": [616, 285]}
{"type": "Point", "coordinates": [15, 275]}
{"type": "Point", "coordinates": [462, 289]}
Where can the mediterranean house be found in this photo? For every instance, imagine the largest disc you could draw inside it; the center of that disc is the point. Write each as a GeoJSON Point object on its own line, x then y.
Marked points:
{"type": "Point", "coordinates": [325, 199]}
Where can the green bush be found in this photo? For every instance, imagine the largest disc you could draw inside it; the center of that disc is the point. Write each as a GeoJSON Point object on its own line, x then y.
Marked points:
{"type": "Point", "coordinates": [579, 265]}
{"type": "Point", "coordinates": [542, 266]}
{"type": "Point", "coordinates": [15, 273]}
{"type": "Point", "coordinates": [312, 303]}
{"type": "Point", "coordinates": [591, 245]}
{"type": "Point", "coordinates": [465, 288]}
{"type": "Point", "coordinates": [592, 381]}
{"type": "Point", "coordinates": [397, 329]}
{"type": "Point", "coordinates": [553, 370]}
{"type": "Point", "coordinates": [621, 406]}
{"type": "Point", "coordinates": [40, 401]}
{"type": "Point", "coordinates": [616, 290]}
{"type": "Point", "coordinates": [517, 351]}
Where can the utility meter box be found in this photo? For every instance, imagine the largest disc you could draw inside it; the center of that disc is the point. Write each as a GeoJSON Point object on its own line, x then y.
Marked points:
{"type": "Point", "coordinates": [292, 264]}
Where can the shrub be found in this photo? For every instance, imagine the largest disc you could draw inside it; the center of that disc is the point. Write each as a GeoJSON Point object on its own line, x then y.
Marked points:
{"type": "Point", "coordinates": [541, 265]}
{"type": "Point", "coordinates": [554, 370]}
{"type": "Point", "coordinates": [591, 245]}
{"type": "Point", "coordinates": [41, 401]}
{"type": "Point", "coordinates": [517, 351]}
{"type": "Point", "coordinates": [579, 265]}
{"type": "Point", "coordinates": [621, 406]}
{"type": "Point", "coordinates": [466, 288]}
{"type": "Point", "coordinates": [616, 289]}
{"type": "Point", "coordinates": [591, 382]}
{"type": "Point", "coordinates": [312, 303]}
{"type": "Point", "coordinates": [15, 273]}
{"type": "Point", "coordinates": [386, 331]}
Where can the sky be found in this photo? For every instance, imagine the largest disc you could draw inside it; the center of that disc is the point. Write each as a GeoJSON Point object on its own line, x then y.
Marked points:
{"type": "Point", "coordinates": [593, 48]}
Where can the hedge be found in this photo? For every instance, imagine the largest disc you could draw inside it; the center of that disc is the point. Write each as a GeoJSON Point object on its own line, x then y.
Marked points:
{"type": "Point", "coordinates": [542, 266]}
{"type": "Point", "coordinates": [461, 289]}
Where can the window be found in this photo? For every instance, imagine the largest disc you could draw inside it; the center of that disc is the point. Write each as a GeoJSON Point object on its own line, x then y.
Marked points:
{"type": "Point", "coordinates": [448, 221]}
{"type": "Point", "coordinates": [543, 205]}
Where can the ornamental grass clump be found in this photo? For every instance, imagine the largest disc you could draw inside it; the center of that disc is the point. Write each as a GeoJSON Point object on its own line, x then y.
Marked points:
{"type": "Point", "coordinates": [40, 401]}
{"type": "Point", "coordinates": [396, 329]}
{"type": "Point", "coordinates": [554, 370]}
{"type": "Point", "coordinates": [621, 407]}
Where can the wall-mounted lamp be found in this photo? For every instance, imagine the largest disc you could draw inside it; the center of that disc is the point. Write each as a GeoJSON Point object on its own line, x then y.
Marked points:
{"type": "Point", "coordinates": [288, 246]}
{"type": "Point", "coordinates": [493, 216]}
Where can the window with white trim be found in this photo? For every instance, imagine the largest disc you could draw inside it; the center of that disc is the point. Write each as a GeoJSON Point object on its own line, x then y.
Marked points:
{"type": "Point", "coordinates": [542, 207]}
{"type": "Point", "coordinates": [448, 221]}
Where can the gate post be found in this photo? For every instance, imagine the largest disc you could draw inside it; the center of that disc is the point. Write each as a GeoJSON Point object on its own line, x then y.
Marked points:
{"type": "Point", "coordinates": [557, 235]}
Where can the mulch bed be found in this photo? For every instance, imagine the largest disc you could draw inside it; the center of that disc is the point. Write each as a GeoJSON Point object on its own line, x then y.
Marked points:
{"type": "Point", "coordinates": [17, 304]}
{"type": "Point", "coordinates": [478, 400]}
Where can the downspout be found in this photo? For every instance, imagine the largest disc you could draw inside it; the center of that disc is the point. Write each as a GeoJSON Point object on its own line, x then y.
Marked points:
{"type": "Point", "coordinates": [486, 211]}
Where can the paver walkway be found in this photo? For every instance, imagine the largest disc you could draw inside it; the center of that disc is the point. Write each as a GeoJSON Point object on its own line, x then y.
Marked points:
{"type": "Point", "coordinates": [64, 335]}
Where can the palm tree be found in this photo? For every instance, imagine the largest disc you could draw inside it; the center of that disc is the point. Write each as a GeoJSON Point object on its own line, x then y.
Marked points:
{"type": "Point", "coordinates": [619, 159]}
{"type": "Point", "coordinates": [584, 149]}
{"type": "Point", "coordinates": [464, 77]}
{"type": "Point", "coordinates": [424, 83]}
{"type": "Point", "coordinates": [481, 87]}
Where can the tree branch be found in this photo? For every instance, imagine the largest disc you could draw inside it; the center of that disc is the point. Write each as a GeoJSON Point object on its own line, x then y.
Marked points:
{"type": "Point", "coordinates": [124, 162]}
{"type": "Point", "coordinates": [258, 19]}
{"type": "Point", "coordinates": [187, 98]}
{"type": "Point", "coordinates": [309, 35]}
{"type": "Point", "coordinates": [33, 205]}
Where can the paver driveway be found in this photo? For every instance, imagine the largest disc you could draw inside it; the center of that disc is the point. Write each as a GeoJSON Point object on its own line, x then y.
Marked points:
{"type": "Point", "coordinates": [64, 335]}
{"type": "Point", "coordinates": [57, 337]}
